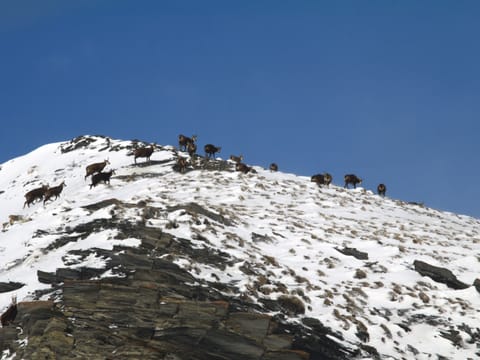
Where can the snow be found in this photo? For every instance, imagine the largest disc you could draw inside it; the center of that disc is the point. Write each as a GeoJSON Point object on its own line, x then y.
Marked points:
{"type": "Point", "coordinates": [299, 225]}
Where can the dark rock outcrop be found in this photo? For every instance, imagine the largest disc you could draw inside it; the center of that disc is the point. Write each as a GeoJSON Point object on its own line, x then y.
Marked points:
{"type": "Point", "coordinates": [154, 309]}
{"type": "Point", "coordinates": [10, 286]}
{"type": "Point", "coordinates": [439, 274]}
{"type": "Point", "coordinates": [476, 283]}
{"type": "Point", "coordinates": [360, 255]}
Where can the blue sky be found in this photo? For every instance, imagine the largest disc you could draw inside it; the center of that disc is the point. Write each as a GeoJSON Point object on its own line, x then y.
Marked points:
{"type": "Point", "coordinates": [388, 90]}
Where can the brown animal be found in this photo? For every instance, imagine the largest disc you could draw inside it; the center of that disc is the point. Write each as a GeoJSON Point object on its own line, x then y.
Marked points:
{"type": "Point", "coordinates": [9, 315]}
{"type": "Point", "coordinates": [96, 168]}
{"type": "Point", "coordinates": [101, 176]}
{"type": "Point", "coordinates": [53, 191]}
{"type": "Point", "coordinates": [145, 152]}
{"type": "Point", "coordinates": [211, 150]}
{"type": "Point", "coordinates": [322, 179]}
{"type": "Point", "coordinates": [184, 141]}
{"type": "Point", "coordinates": [237, 159]}
{"type": "Point", "coordinates": [192, 149]}
{"type": "Point", "coordinates": [352, 179]}
{"type": "Point", "coordinates": [243, 168]}
{"type": "Point", "coordinates": [381, 189]}
{"type": "Point", "coordinates": [181, 164]}
{"type": "Point", "coordinates": [273, 167]}
{"type": "Point", "coordinates": [35, 194]}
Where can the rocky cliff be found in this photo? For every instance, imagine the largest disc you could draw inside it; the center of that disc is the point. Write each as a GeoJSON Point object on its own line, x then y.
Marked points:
{"type": "Point", "coordinates": [212, 263]}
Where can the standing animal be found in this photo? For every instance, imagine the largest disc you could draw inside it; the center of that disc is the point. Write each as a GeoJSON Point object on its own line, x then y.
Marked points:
{"type": "Point", "coordinates": [211, 150]}
{"type": "Point", "coordinates": [352, 179]}
{"type": "Point", "coordinates": [96, 168]}
{"type": "Point", "coordinates": [145, 152]}
{"type": "Point", "coordinates": [101, 176]}
{"type": "Point", "coordinates": [53, 191]}
{"type": "Point", "coordinates": [35, 194]}
{"type": "Point", "coordinates": [381, 189]}
{"type": "Point", "coordinates": [237, 159]}
{"type": "Point", "coordinates": [273, 167]}
{"type": "Point", "coordinates": [181, 164]}
{"type": "Point", "coordinates": [9, 315]}
{"type": "Point", "coordinates": [183, 141]}
{"type": "Point", "coordinates": [192, 149]}
{"type": "Point", "coordinates": [322, 179]}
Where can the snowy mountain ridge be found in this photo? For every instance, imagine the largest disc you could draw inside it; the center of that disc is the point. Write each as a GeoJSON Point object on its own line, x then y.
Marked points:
{"type": "Point", "coordinates": [352, 259]}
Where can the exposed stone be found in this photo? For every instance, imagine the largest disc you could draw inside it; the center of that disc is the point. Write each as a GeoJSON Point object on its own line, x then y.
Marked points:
{"type": "Point", "coordinates": [10, 286]}
{"type": "Point", "coordinates": [194, 208]}
{"type": "Point", "coordinates": [476, 283]}
{"type": "Point", "coordinates": [251, 325]}
{"type": "Point", "coordinates": [439, 274]}
{"type": "Point", "coordinates": [155, 309]}
{"type": "Point", "coordinates": [360, 255]}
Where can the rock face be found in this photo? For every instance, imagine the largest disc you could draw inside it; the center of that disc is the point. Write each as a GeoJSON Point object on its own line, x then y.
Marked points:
{"type": "Point", "coordinates": [211, 263]}
{"type": "Point", "coordinates": [439, 274]}
{"type": "Point", "coordinates": [476, 283]}
{"type": "Point", "coordinates": [153, 309]}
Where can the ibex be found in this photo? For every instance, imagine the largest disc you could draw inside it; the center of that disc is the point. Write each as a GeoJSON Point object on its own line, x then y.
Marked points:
{"type": "Point", "coordinates": [211, 150]}
{"type": "Point", "coordinates": [145, 152]}
{"type": "Point", "coordinates": [352, 179]}
{"type": "Point", "coordinates": [96, 168]}
{"type": "Point", "coordinates": [322, 179]}
{"type": "Point", "coordinates": [101, 176]}
{"type": "Point", "coordinates": [35, 194]}
{"type": "Point", "coordinates": [381, 189]}
{"type": "Point", "coordinates": [53, 191]}
{"type": "Point", "coordinates": [183, 141]}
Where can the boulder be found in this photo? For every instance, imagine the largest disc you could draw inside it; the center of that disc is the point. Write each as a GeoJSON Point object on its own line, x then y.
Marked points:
{"type": "Point", "coordinates": [439, 274]}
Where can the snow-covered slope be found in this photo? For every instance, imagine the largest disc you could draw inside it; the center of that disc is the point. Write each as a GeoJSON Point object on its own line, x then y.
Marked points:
{"type": "Point", "coordinates": [289, 231]}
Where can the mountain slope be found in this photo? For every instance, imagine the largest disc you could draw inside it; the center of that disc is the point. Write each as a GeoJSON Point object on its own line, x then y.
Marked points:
{"type": "Point", "coordinates": [347, 258]}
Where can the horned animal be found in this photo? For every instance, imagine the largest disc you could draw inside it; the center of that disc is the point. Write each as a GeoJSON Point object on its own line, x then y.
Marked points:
{"type": "Point", "coordinates": [145, 152]}
{"type": "Point", "coordinates": [273, 167]}
{"type": "Point", "coordinates": [211, 150]}
{"type": "Point", "coordinates": [96, 168]}
{"type": "Point", "coordinates": [352, 179]}
{"type": "Point", "coordinates": [181, 164]}
{"type": "Point", "coordinates": [101, 176]}
{"type": "Point", "coordinates": [237, 159]}
{"type": "Point", "coordinates": [192, 149]}
{"type": "Point", "coordinates": [9, 315]}
{"type": "Point", "coordinates": [322, 179]}
{"type": "Point", "coordinates": [183, 141]}
{"type": "Point", "coordinates": [35, 194]}
{"type": "Point", "coordinates": [243, 167]}
{"type": "Point", "coordinates": [381, 189]}
{"type": "Point", "coordinates": [53, 191]}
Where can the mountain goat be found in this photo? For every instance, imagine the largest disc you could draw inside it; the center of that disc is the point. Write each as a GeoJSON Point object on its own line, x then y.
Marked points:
{"type": "Point", "coordinates": [101, 176]}
{"type": "Point", "coordinates": [35, 194]}
{"type": "Point", "coordinates": [211, 150]}
{"type": "Point", "coordinates": [145, 152]}
{"type": "Point", "coordinates": [96, 167]}
{"type": "Point", "coordinates": [184, 141]}
{"type": "Point", "coordinates": [352, 179]}
{"type": "Point", "coordinates": [53, 191]}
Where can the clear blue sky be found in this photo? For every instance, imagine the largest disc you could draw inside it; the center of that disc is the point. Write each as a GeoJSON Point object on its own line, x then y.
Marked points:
{"type": "Point", "coordinates": [388, 90]}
